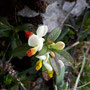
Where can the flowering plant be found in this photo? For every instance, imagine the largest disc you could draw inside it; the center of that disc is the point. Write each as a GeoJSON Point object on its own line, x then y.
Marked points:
{"type": "Point", "coordinates": [46, 50]}
{"type": "Point", "coordinates": [20, 61]}
{"type": "Point", "coordinates": [36, 41]}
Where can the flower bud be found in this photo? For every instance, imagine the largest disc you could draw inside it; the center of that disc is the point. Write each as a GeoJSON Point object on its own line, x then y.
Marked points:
{"type": "Point", "coordinates": [58, 46]}
{"type": "Point", "coordinates": [38, 65]}
{"type": "Point", "coordinates": [52, 54]}
{"type": "Point", "coordinates": [50, 73]}
{"type": "Point", "coordinates": [31, 52]}
{"type": "Point", "coordinates": [50, 42]}
{"type": "Point", "coordinates": [28, 34]}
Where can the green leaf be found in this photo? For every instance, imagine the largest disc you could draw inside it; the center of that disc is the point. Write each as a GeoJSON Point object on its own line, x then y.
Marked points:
{"type": "Point", "coordinates": [87, 22]}
{"type": "Point", "coordinates": [13, 44]}
{"type": "Point", "coordinates": [20, 51]}
{"type": "Point", "coordinates": [84, 34]}
{"type": "Point", "coordinates": [8, 80]}
{"type": "Point", "coordinates": [3, 27]}
{"type": "Point", "coordinates": [65, 56]}
{"type": "Point", "coordinates": [7, 33]}
{"type": "Point", "coordinates": [65, 86]}
{"type": "Point", "coordinates": [54, 65]}
{"type": "Point", "coordinates": [23, 27]}
{"type": "Point", "coordinates": [31, 70]}
{"type": "Point", "coordinates": [87, 19]}
{"type": "Point", "coordinates": [60, 77]}
{"type": "Point", "coordinates": [62, 35]}
{"type": "Point", "coordinates": [16, 41]}
{"type": "Point", "coordinates": [43, 51]}
{"type": "Point", "coordinates": [5, 22]}
{"type": "Point", "coordinates": [15, 87]}
{"type": "Point", "coordinates": [59, 69]}
{"type": "Point", "coordinates": [43, 68]}
{"type": "Point", "coordinates": [54, 34]}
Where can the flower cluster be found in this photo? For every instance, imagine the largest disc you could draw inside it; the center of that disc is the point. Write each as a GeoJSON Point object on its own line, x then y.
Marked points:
{"type": "Point", "coordinates": [36, 41]}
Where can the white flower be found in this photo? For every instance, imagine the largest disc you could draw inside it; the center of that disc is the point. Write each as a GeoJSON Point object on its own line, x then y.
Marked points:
{"type": "Point", "coordinates": [45, 59]}
{"type": "Point", "coordinates": [48, 66]}
{"type": "Point", "coordinates": [42, 31]}
{"type": "Point", "coordinates": [36, 41]}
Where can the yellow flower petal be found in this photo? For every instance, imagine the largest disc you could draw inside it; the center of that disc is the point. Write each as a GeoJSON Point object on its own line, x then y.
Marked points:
{"type": "Point", "coordinates": [38, 65]}
{"type": "Point", "coordinates": [50, 73]}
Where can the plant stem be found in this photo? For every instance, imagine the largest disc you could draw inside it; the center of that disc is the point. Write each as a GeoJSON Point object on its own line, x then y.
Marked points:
{"type": "Point", "coordinates": [81, 27]}
{"type": "Point", "coordinates": [84, 85]}
{"type": "Point", "coordinates": [77, 81]}
{"type": "Point", "coordinates": [73, 45]}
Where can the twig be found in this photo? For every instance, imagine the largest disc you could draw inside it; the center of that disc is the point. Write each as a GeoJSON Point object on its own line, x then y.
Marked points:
{"type": "Point", "coordinates": [84, 85]}
{"type": "Point", "coordinates": [82, 24]}
{"type": "Point", "coordinates": [73, 45]}
{"type": "Point", "coordinates": [21, 83]}
{"type": "Point", "coordinates": [67, 16]}
{"type": "Point", "coordinates": [71, 27]}
{"type": "Point", "coordinates": [74, 50]}
{"type": "Point", "coordinates": [69, 69]}
{"type": "Point", "coordinates": [80, 86]}
{"type": "Point", "coordinates": [87, 42]}
{"type": "Point", "coordinates": [12, 72]}
{"type": "Point", "coordinates": [77, 81]}
{"type": "Point", "coordinates": [10, 59]}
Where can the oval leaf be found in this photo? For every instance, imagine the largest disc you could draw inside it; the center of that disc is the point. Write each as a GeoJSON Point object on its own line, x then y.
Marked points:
{"type": "Point", "coordinates": [60, 77]}
{"type": "Point", "coordinates": [65, 57]}
{"type": "Point", "coordinates": [20, 51]}
{"type": "Point", "coordinates": [54, 34]}
{"type": "Point", "coordinates": [54, 65]}
{"type": "Point", "coordinates": [5, 22]}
